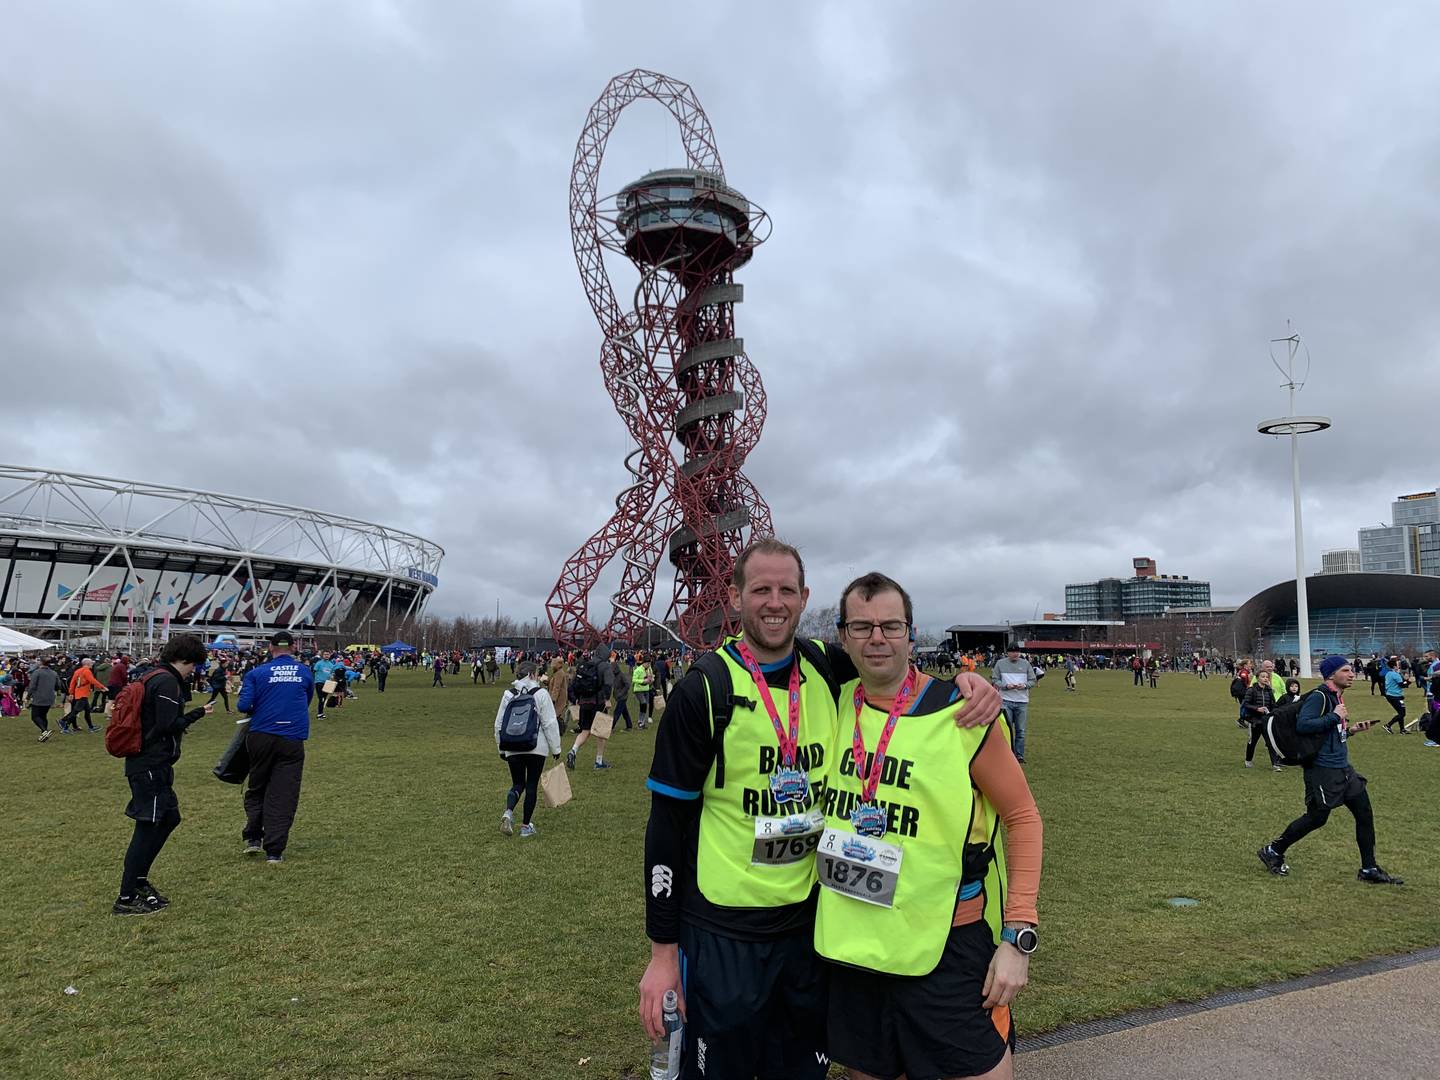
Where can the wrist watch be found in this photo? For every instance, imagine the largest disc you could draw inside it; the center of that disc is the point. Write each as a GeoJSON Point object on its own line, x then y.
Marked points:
{"type": "Point", "coordinates": [1023, 938]}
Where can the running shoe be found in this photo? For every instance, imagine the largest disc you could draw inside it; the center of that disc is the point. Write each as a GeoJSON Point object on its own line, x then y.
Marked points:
{"type": "Point", "coordinates": [570, 760]}
{"type": "Point", "coordinates": [1373, 875]}
{"type": "Point", "coordinates": [45, 735]}
{"type": "Point", "coordinates": [150, 894]}
{"type": "Point", "coordinates": [134, 905]}
{"type": "Point", "coordinates": [253, 847]}
{"type": "Point", "coordinates": [1273, 860]}
{"type": "Point", "coordinates": [526, 830]}
{"type": "Point", "coordinates": [507, 823]}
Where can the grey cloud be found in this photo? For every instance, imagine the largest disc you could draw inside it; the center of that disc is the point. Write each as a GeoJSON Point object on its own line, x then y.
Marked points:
{"type": "Point", "coordinates": [1011, 320]}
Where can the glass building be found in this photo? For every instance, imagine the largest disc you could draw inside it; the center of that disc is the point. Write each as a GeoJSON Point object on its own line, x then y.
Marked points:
{"type": "Point", "coordinates": [1410, 544]}
{"type": "Point", "coordinates": [1349, 614]}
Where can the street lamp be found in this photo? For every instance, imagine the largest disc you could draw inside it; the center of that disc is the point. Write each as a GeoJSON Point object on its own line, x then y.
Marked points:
{"type": "Point", "coordinates": [1295, 426]}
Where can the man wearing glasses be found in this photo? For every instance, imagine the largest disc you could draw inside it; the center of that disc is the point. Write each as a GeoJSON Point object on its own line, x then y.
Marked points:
{"type": "Point", "coordinates": [737, 782]}
{"type": "Point", "coordinates": [929, 929]}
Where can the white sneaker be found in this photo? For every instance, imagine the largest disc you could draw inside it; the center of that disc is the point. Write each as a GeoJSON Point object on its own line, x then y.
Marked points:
{"type": "Point", "coordinates": [526, 830]}
{"type": "Point", "coordinates": [507, 823]}
{"type": "Point", "coordinates": [1431, 742]}
{"type": "Point", "coordinates": [1249, 764]}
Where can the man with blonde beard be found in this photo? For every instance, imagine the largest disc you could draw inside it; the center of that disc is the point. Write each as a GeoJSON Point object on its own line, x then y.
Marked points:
{"type": "Point", "coordinates": [730, 883]}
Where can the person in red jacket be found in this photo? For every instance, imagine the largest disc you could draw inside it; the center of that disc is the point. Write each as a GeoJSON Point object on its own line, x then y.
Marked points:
{"type": "Point", "coordinates": [82, 684]}
{"type": "Point", "coordinates": [119, 676]}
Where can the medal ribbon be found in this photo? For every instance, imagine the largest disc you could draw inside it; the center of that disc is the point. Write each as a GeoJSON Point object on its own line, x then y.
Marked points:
{"type": "Point", "coordinates": [871, 781]}
{"type": "Point", "coordinates": [789, 741]}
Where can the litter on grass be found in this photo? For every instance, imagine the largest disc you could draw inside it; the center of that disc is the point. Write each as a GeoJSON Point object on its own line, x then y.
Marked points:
{"type": "Point", "coordinates": [71, 990]}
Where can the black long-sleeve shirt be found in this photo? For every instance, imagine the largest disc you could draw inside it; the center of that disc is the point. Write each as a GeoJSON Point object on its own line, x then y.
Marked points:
{"type": "Point", "coordinates": [684, 754]}
{"type": "Point", "coordinates": [162, 721]}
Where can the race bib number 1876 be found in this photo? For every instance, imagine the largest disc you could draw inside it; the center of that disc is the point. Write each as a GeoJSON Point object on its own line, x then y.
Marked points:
{"type": "Point", "coordinates": [859, 867]}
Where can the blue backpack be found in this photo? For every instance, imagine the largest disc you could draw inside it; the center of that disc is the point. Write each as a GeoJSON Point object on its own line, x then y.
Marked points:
{"type": "Point", "coordinates": [520, 723]}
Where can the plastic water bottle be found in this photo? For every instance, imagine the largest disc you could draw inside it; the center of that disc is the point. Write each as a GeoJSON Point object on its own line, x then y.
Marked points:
{"type": "Point", "coordinates": [665, 1054]}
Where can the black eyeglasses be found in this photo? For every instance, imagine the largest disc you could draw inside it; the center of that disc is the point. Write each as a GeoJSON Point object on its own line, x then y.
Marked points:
{"type": "Point", "coordinates": [860, 629]}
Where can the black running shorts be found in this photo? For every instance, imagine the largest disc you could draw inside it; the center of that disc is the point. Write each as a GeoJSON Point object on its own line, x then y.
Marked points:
{"type": "Point", "coordinates": [926, 1027]}
{"type": "Point", "coordinates": [152, 795]}
{"type": "Point", "coordinates": [587, 715]}
{"type": "Point", "coordinates": [755, 1009]}
{"type": "Point", "coordinates": [1326, 788]}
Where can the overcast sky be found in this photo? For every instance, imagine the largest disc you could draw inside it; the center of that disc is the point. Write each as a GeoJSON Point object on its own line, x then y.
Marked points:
{"type": "Point", "coordinates": [1012, 319]}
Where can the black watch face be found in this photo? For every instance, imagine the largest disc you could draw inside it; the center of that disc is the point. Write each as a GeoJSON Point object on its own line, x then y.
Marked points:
{"type": "Point", "coordinates": [1026, 940]}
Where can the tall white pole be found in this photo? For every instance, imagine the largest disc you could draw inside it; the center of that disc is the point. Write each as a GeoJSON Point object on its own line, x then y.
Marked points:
{"type": "Point", "coordinates": [1302, 604]}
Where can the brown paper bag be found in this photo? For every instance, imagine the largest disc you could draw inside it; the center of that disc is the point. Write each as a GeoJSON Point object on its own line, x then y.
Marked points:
{"type": "Point", "coordinates": [555, 786]}
{"type": "Point", "coordinates": [657, 704]}
{"type": "Point", "coordinates": [603, 725]}
{"type": "Point", "coordinates": [573, 712]}
{"type": "Point", "coordinates": [329, 687]}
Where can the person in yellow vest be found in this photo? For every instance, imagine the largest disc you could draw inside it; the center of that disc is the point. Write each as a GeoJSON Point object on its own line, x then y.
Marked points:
{"type": "Point", "coordinates": [729, 872]}
{"type": "Point", "coordinates": [927, 911]}
{"type": "Point", "coordinates": [642, 685]}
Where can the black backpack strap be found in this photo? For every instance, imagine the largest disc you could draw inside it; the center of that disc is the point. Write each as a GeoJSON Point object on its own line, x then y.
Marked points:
{"type": "Point", "coordinates": [813, 653]}
{"type": "Point", "coordinates": [722, 703]}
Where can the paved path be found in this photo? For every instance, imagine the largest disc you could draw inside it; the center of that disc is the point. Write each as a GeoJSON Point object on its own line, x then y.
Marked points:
{"type": "Point", "coordinates": [1374, 1027]}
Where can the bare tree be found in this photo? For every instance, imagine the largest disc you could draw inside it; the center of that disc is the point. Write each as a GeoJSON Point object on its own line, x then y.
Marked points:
{"type": "Point", "coordinates": [820, 623]}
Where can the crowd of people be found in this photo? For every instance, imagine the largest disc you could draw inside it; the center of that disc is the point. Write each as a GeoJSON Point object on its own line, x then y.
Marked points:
{"type": "Point", "coordinates": [817, 888]}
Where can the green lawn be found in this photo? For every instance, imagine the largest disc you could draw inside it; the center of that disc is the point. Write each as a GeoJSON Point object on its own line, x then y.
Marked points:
{"type": "Point", "coordinates": [404, 937]}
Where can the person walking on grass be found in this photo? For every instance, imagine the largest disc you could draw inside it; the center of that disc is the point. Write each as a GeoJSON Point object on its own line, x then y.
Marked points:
{"type": "Point", "coordinates": [586, 690]}
{"type": "Point", "coordinates": [43, 687]}
{"type": "Point", "coordinates": [154, 806]}
{"type": "Point", "coordinates": [526, 765]}
{"type": "Point", "coordinates": [1330, 779]}
{"type": "Point", "coordinates": [83, 683]}
{"type": "Point", "coordinates": [439, 668]}
{"type": "Point", "coordinates": [642, 683]}
{"type": "Point", "coordinates": [1071, 667]}
{"type": "Point", "coordinates": [619, 682]}
{"type": "Point", "coordinates": [1256, 708]}
{"type": "Point", "coordinates": [1395, 694]}
{"type": "Point", "coordinates": [276, 696]}
{"type": "Point", "coordinates": [216, 678]}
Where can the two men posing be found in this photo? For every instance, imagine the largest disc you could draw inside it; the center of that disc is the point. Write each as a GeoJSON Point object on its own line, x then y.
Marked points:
{"type": "Point", "coordinates": [805, 804]}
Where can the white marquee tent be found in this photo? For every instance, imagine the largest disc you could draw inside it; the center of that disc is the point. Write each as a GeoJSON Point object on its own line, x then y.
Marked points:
{"type": "Point", "coordinates": [12, 641]}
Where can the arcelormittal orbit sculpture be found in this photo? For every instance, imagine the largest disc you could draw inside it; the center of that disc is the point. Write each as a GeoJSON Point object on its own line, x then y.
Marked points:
{"type": "Point", "coordinates": [692, 401]}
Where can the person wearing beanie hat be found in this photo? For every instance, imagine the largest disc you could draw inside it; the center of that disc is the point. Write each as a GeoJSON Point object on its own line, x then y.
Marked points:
{"type": "Point", "coordinates": [1330, 780]}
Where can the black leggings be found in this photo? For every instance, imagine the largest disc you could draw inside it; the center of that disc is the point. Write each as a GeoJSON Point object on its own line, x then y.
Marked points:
{"type": "Point", "coordinates": [1257, 732]}
{"type": "Point", "coordinates": [1398, 704]}
{"type": "Point", "coordinates": [145, 844]}
{"type": "Point", "coordinates": [40, 716]}
{"type": "Point", "coordinates": [525, 772]}
{"type": "Point", "coordinates": [222, 694]}
{"type": "Point", "coordinates": [73, 716]}
{"type": "Point", "coordinates": [1356, 800]}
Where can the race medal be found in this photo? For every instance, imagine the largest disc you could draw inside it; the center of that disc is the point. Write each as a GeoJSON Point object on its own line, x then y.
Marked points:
{"type": "Point", "coordinates": [780, 841]}
{"type": "Point", "coordinates": [860, 867]}
{"type": "Point", "coordinates": [868, 820]}
{"type": "Point", "coordinates": [790, 786]}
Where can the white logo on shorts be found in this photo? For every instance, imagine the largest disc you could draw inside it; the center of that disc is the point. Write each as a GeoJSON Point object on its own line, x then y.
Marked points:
{"type": "Point", "coordinates": [700, 1055]}
{"type": "Point", "coordinates": [660, 880]}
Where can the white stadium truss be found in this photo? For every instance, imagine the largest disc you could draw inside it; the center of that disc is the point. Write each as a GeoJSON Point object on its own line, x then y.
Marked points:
{"type": "Point", "coordinates": [82, 551]}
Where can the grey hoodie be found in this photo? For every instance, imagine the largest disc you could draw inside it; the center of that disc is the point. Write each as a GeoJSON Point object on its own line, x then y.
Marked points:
{"type": "Point", "coordinates": [1006, 666]}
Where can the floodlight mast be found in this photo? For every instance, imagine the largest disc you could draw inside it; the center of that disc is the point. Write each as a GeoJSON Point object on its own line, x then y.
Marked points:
{"type": "Point", "coordinates": [676, 373]}
{"type": "Point", "coordinates": [1295, 426]}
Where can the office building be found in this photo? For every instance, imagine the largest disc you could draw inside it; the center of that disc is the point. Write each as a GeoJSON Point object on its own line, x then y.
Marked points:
{"type": "Point", "coordinates": [1147, 593]}
{"type": "Point", "coordinates": [1340, 561]}
{"type": "Point", "coordinates": [1410, 544]}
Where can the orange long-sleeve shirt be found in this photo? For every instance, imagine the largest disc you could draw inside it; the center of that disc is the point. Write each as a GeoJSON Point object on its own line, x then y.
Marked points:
{"type": "Point", "coordinates": [997, 776]}
{"type": "Point", "coordinates": [84, 682]}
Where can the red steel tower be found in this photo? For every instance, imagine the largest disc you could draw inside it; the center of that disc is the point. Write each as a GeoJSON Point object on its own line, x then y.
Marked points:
{"type": "Point", "coordinates": [679, 377]}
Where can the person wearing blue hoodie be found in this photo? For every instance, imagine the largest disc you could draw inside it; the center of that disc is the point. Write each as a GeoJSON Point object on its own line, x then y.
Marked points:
{"type": "Point", "coordinates": [276, 696]}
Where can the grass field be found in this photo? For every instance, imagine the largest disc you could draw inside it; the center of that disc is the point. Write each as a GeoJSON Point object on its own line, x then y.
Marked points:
{"type": "Point", "coordinates": [404, 937]}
